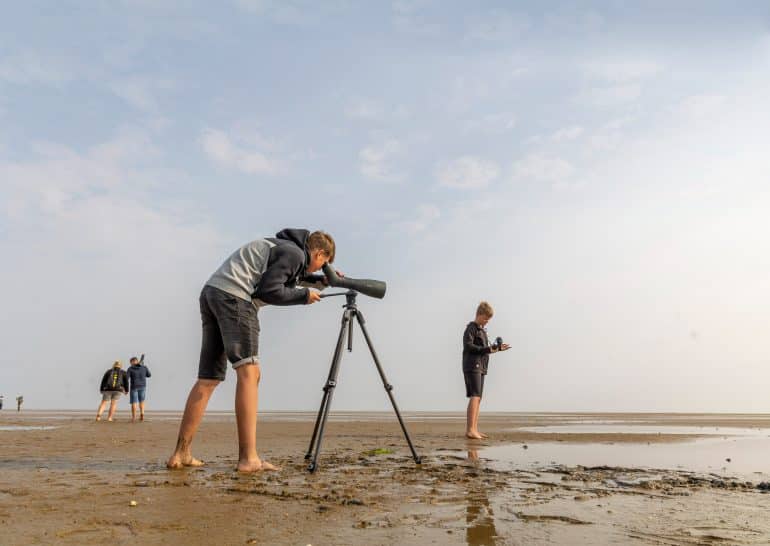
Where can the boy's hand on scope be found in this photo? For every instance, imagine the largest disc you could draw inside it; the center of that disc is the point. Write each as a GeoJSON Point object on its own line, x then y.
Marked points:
{"type": "Point", "coordinates": [313, 297]}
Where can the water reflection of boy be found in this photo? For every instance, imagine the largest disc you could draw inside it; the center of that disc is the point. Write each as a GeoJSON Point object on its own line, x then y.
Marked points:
{"type": "Point", "coordinates": [479, 518]}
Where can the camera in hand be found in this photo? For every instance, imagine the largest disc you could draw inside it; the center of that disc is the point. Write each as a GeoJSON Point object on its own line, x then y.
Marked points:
{"type": "Point", "coordinates": [499, 343]}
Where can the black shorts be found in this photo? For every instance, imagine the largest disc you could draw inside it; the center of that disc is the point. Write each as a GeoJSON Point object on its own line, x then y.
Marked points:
{"type": "Point", "coordinates": [230, 332]}
{"type": "Point", "coordinates": [474, 384]}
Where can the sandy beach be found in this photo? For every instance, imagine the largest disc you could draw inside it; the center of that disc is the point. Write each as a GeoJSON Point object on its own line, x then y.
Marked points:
{"type": "Point", "coordinates": [65, 479]}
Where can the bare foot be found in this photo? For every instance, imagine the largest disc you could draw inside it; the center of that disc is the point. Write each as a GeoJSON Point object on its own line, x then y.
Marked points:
{"type": "Point", "coordinates": [474, 436]}
{"type": "Point", "coordinates": [178, 461]}
{"type": "Point", "coordinates": [256, 466]}
{"type": "Point", "coordinates": [110, 419]}
{"type": "Point", "coordinates": [483, 436]}
{"type": "Point", "coordinates": [98, 417]}
{"type": "Point", "coordinates": [141, 417]}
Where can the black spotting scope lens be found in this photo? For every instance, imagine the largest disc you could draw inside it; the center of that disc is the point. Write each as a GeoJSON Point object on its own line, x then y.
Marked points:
{"type": "Point", "coordinates": [368, 287]}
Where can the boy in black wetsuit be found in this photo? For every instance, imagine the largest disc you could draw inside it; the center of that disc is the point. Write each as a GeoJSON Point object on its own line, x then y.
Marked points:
{"type": "Point", "coordinates": [476, 350]}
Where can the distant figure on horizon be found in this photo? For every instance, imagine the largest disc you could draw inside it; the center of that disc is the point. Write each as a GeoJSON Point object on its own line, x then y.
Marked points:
{"type": "Point", "coordinates": [137, 376]}
{"type": "Point", "coordinates": [114, 383]}
{"type": "Point", "coordinates": [476, 350]}
{"type": "Point", "coordinates": [261, 272]}
{"type": "Point", "coordinates": [1, 401]}
{"type": "Point", "coordinates": [19, 402]}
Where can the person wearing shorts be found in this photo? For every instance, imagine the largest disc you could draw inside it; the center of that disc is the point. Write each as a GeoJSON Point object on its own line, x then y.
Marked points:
{"type": "Point", "coordinates": [262, 272]}
{"type": "Point", "coordinates": [114, 384]}
{"type": "Point", "coordinates": [138, 373]}
{"type": "Point", "coordinates": [476, 351]}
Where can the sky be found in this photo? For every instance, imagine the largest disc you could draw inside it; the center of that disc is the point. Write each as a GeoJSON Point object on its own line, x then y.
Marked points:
{"type": "Point", "coordinates": [598, 173]}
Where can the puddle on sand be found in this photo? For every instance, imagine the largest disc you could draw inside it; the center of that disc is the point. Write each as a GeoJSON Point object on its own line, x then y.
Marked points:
{"type": "Point", "coordinates": [25, 427]}
{"type": "Point", "coordinates": [747, 455]}
{"type": "Point", "coordinates": [606, 428]}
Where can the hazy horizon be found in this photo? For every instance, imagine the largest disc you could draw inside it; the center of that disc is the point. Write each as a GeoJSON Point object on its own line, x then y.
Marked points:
{"type": "Point", "coordinates": [599, 174]}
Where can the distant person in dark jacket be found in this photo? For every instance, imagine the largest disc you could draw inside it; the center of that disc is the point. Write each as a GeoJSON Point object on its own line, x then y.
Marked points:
{"type": "Point", "coordinates": [137, 377]}
{"type": "Point", "coordinates": [19, 402]}
{"type": "Point", "coordinates": [476, 350]}
{"type": "Point", "coordinates": [114, 383]}
{"type": "Point", "coordinates": [262, 272]}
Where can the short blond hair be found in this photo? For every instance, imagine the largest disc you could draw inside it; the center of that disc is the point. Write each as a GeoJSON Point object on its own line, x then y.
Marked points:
{"type": "Point", "coordinates": [117, 364]}
{"type": "Point", "coordinates": [320, 240]}
{"type": "Point", "coordinates": [485, 309]}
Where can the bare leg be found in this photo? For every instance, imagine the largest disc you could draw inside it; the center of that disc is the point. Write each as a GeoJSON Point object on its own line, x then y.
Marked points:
{"type": "Point", "coordinates": [246, 402]}
{"type": "Point", "coordinates": [100, 410]}
{"type": "Point", "coordinates": [133, 412]}
{"type": "Point", "coordinates": [141, 411]}
{"type": "Point", "coordinates": [113, 407]}
{"type": "Point", "coordinates": [193, 413]}
{"type": "Point", "coordinates": [472, 418]}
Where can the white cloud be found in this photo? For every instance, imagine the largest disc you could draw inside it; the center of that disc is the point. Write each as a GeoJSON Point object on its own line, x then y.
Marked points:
{"type": "Point", "coordinates": [95, 201]}
{"type": "Point", "coordinates": [611, 95]}
{"type": "Point", "coordinates": [371, 110]}
{"type": "Point", "coordinates": [702, 106]}
{"type": "Point", "coordinates": [408, 17]}
{"type": "Point", "coordinates": [376, 162]}
{"type": "Point", "coordinates": [579, 21]}
{"type": "Point", "coordinates": [567, 133]}
{"type": "Point", "coordinates": [498, 27]}
{"type": "Point", "coordinates": [250, 158]}
{"type": "Point", "coordinates": [492, 123]}
{"type": "Point", "coordinates": [475, 82]}
{"type": "Point", "coordinates": [289, 12]}
{"type": "Point", "coordinates": [467, 172]}
{"type": "Point", "coordinates": [622, 71]}
{"type": "Point", "coordinates": [140, 92]}
{"type": "Point", "coordinates": [30, 67]}
{"type": "Point", "coordinates": [424, 217]}
{"type": "Point", "coordinates": [541, 168]}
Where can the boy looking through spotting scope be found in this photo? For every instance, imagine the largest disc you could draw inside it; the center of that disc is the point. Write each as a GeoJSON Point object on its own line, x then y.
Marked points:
{"type": "Point", "coordinates": [476, 350]}
{"type": "Point", "coordinates": [262, 272]}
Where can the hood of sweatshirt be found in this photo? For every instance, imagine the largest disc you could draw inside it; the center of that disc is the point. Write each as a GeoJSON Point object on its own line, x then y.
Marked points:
{"type": "Point", "coordinates": [298, 237]}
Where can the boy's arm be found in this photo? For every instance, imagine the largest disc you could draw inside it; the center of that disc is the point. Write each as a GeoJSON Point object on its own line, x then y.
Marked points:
{"type": "Point", "coordinates": [103, 384]}
{"type": "Point", "coordinates": [147, 371]}
{"type": "Point", "coordinates": [472, 347]}
{"type": "Point", "coordinates": [314, 281]}
{"type": "Point", "coordinates": [272, 287]}
{"type": "Point", "coordinates": [125, 382]}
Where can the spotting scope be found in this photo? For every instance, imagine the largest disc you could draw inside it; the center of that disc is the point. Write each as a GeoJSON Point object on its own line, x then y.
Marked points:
{"type": "Point", "coordinates": [368, 287]}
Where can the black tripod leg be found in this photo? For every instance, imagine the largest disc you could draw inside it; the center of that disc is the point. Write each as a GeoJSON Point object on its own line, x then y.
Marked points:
{"type": "Point", "coordinates": [388, 386]}
{"type": "Point", "coordinates": [331, 382]}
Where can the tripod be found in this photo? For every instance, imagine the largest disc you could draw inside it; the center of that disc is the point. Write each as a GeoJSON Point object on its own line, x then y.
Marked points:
{"type": "Point", "coordinates": [351, 311]}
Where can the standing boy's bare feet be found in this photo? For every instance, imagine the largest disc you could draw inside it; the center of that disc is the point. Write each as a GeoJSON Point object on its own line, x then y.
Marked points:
{"type": "Point", "coordinates": [483, 436]}
{"type": "Point", "coordinates": [98, 417]}
{"type": "Point", "coordinates": [255, 466]}
{"type": "Point", "coordinates": [473, 435]}
{"type": "Point", "coordinates": [180, 461]}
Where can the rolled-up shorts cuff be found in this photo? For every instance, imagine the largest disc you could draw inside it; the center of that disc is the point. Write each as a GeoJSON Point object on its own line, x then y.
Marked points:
{"type": "Point", "coordinates": [248, 360]}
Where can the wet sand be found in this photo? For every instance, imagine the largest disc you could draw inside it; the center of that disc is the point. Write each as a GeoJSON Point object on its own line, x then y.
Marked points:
{"type": "Point", "coordinates": [74, 484]}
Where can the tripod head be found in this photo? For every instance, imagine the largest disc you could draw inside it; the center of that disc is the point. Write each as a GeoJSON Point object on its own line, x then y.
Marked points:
{"type": "Point", "coordinates": [350, 295]}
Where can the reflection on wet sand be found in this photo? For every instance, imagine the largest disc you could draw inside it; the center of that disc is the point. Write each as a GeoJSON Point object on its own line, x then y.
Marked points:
{"type": "Point", "coordinates": [479, 518]}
